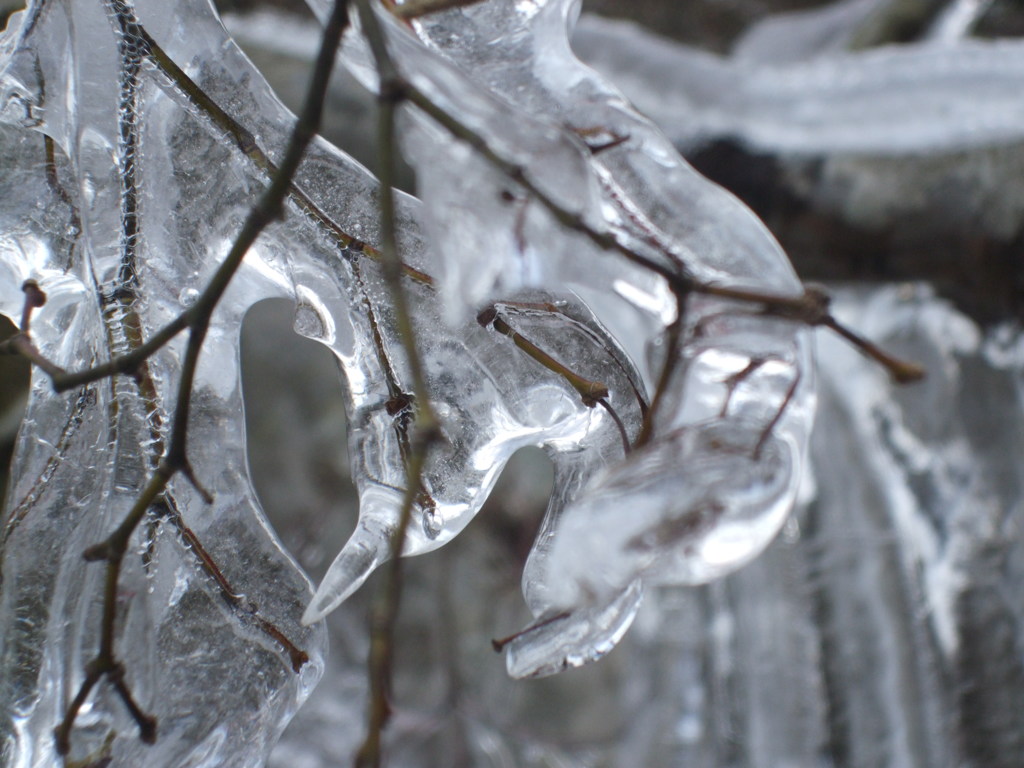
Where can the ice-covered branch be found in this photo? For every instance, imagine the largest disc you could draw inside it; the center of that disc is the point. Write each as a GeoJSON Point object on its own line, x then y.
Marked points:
{"type": "Point", "coordinates": [886, 101]}
{"type": "Point", "coordinates": [197, 320]}
{"type": "Point", "coordinates": [523, 153]}
{"type": "Point", "coordinates": [568, 282]}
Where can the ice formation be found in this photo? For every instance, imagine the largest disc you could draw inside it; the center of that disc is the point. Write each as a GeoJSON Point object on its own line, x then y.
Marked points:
{"type": "Point", "coordinates": [909, 549]}
{"type": "Point", "coordinates": [140, 200]}
{"type": "Point", "coordinates": [790, 87]}
{"type": "Point", "coordinates": [737, 404]}
{"type": "Point", "coordinates": [122, 219]}
{"type": "Point", "coordinates": [879, 629]}
{"type": "Point", "coordinates": [124, 210]}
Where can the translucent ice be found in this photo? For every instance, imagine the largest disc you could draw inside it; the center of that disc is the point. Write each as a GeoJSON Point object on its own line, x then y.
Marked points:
{"type": "Point", "coordinates": [739, 393]}
{"type": "Point", "coordinates": [114, 216]}
{"type": "Point", "coordinates": [884, 101]}
{"type": "Point", "coordinates": [879, 628]}
{"type": "Point", "coordinates": [120, 219]}
{"type": "Point", "coordinates": [162, 136]}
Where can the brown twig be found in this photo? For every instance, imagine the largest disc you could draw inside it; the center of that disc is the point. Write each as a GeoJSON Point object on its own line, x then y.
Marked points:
{"type": "Point", "coordinates": [623, 434]}
{"type": "Point", "coordinates": [902, 371]}
{"type": "Point", "coordinates": [196, 319]}
{"type": "Point", "coordinates": [672, 340]}
{"type": "Point", "coordinates": [21, 343]}
{"type": "Point", "coordinates": [810, 307]}
{"type": "Point", "coordinates": [244, 608]}
{"type": "Point", "coordinates": [246, 143]}
{"type": "Point", "coordinates": [786, 400]}
{"type": "Point", "coordinates": [35, 297]}
{"type": "Point", "coordinates": [549, 308]}
{"type": "Point", "coordinates": [427, 430]}
{"type": "Point", "coordinates": [105, 664]}
{"type": "Point", "coordinates": [383, 617]}
{"type": "Point", "coordinates": [590, 391]}
{"type": "Point", "coordinates": [499, 644]}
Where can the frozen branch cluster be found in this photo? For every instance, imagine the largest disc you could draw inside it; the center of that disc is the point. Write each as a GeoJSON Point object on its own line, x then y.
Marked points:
{"type": "Point", "coordinates": [561, 156]}
{"type": "Point", "coordinates": [573, 283]}
{"type": "Point", "coordinates": [137, 206]}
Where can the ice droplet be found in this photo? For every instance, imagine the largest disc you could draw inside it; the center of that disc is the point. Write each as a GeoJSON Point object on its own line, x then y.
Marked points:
{"type": "Point", "coordinates": [188, 297]}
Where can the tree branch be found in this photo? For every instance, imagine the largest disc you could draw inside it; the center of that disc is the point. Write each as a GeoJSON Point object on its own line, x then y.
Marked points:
{"type": "Point", "coordinates": [385, 611]}
{"type": "Point", "coordinates": [196, 319]}
{"type": "Point", "coordinates": [809, 308]}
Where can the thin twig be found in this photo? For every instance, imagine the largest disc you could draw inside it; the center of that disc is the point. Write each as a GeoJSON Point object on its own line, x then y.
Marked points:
{"type": "Point", "coordinates": [105, 663]}
{"type": "Point", "coordinates": [903, 371]}
{"type": "Point", "coordinates": [21, 343]}
{"type": "Point", "coordinates": [786, 400]}
{"type": "Point", "coordinates": [35, 298]}
{"type": "Point", "coordinates": [499, 644]}
{"type": "Point", "coordinates": [383, 618]}
{"type": "Point", "coordinates": [590, 391]}
{"type": "Point", "coordinates": [250, 148]}
{"type": "Point", "coordinates": [547, 308]}
{"type": "Point", "coordinates": [809, 308]}
{"type": "Point", "coordinates": [391, 93]}
{"type": "Point", "coordinates": [623, 434]}
{"type": "Point", "coordinates": [196, 319]}
{"type": "Point", "coordinates": [385, 611]}
{"type": "Point", "coordinates": [676, 275]}
{"type": "Point", "coordinates": [672, 341]}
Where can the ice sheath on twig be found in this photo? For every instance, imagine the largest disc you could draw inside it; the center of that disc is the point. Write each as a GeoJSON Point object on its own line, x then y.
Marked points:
{"type": "Point", "coordinates": [211, 136]}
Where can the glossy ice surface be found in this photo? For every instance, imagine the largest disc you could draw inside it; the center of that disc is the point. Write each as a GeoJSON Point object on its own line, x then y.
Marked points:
{"type": "Point", "coordinates": [141, 200]}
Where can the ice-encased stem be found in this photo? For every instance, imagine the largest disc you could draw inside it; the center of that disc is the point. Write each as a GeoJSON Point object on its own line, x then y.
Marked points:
{"type": "Point", "coordinates": [197, 317]}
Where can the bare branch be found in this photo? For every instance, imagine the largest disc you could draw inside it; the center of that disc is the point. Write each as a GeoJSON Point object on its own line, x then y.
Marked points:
{"type": "Point", "coordinates": [590, 391]}
{"type": "Point", "coordinates": [810, 307]}
{"type": "Point", "coordinates": [385, 612]}
{"type": "Point", "coordinates": [196, 319]}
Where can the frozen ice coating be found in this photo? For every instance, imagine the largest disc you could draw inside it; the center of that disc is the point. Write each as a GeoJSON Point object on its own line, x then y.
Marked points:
{"type": "Point", "coordinates": [138, 139]}
{"type": "Point", "coordinates": [885, 101]}
{"type": "Point", "coordinates": [492, 399]}
{"type": "Point", "coordinates": [120, 220]}
{"type": "Point", "coordinates": [587, 149]}
{"type": "Point", "coordinates": [507, 72]}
